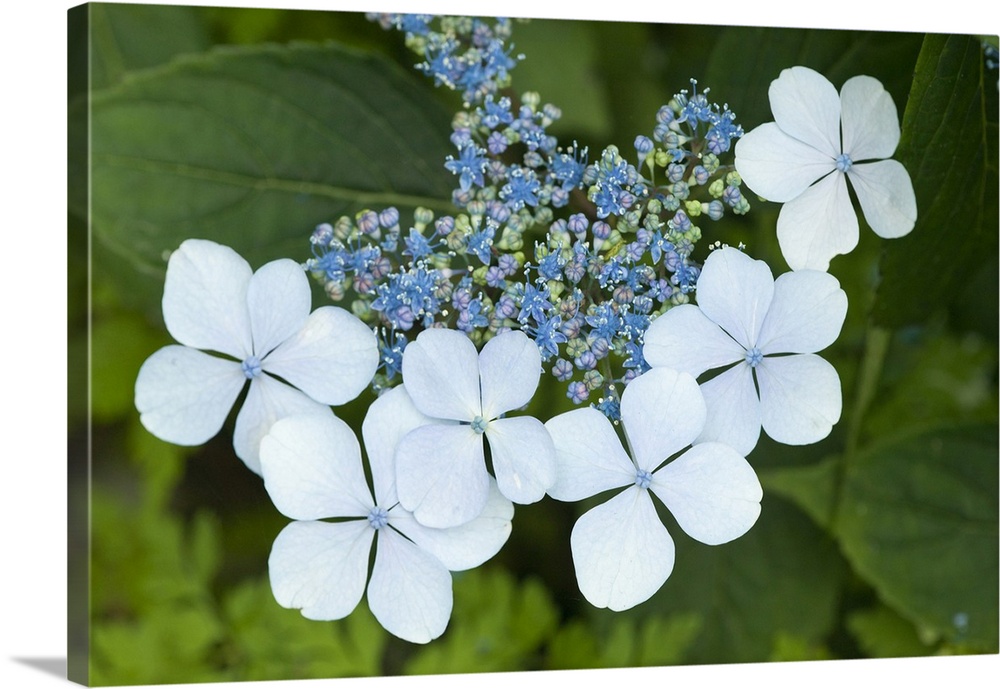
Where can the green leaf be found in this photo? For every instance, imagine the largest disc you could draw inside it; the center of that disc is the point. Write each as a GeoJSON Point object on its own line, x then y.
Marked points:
{"type": "Point", "coordinates": [205, 546]}
{"type": "Point", "coordinates": [497, 625]}
{"type": "Point", "coordinates": [949, 147]}
{"type": "Point", "coordinates": [745, 60]}
{"type": "Point", "coordinates": [931, 377]}
{"type": "Point", "coordinates": [918, 520]}
{"type": "Point", "coordinates": [172, 644]}
{"type": "Point", "coordinates": [656, 641]}
{"type": "Point", "coordinates": [161, 463]}
{"type": "Point", "coordinates": [119, 346]}
{"type": "Point", "coordinates": [253, 147]}
{"type": "Point", "coordinates": [573, 88]}
{"type": "Point", "coordinates": [782, 577]}
{"type": "Point", "coordinates": [790, 648]}
{"type": "Point", "coordinates": [125, 38]}
{"type": "Point", "coordinates": [810, 486]}
{"type": "Point", "coordinates": [882, 633]}
{"type": "Point", "coordinates": [268, 642]}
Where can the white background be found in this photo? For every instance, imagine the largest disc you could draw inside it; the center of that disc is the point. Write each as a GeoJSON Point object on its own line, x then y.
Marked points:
{"type": "Point", "coordinates": [33, 250]}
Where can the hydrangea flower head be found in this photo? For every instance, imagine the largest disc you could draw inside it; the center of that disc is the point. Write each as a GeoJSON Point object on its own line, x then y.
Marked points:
{"type": "Point", "coordinates": [441, 468]}
{"type": "Point", "coordinates": [744, 318]}
{"type": "Point", "coordinates": [803, 159]}
{"type": "Point", "coordinates": [622, 552]}
{"type": "Point", "coordinates": [313, 471]}
{"type": "Point", "coordinates": [261, 324]}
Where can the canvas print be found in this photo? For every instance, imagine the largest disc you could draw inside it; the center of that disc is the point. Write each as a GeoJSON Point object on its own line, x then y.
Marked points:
{"type": "Point", "coordinates": [411, 344]}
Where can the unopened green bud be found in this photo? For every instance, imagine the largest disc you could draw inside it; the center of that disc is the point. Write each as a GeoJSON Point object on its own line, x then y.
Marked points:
{"type": "Point", "coordinates": [543, 216]}
{"type": "Point", "coordinates": [531, 99]}
{"type": "Point", "coordinates": [362, 309]}
{"type": "Point", "coordinates": [422, 217]}
{"type": "Point", "coordinates": [652, 223]}
{"type": "Point", "coordinates": [443, 290]}
{"type": "Point", "coordinates": [717, 188]}
{"type": "Point", "coordinates": [417, 44]}
{"type": "Point", "coordinates": [440, 261]}
{"type": "Point", "coordinates": [510, 240]}
{"type": "Point", "coordinates": [455, 241]}
{"type": "Point", "coordinates": [593, 379]}
{"type": "Point", "coordinates": [630, 221]}
{"type": "Point", "coordinates": [555, 288]}
{"type": "Point", "coordinates": [576, 347]}
{"type": "Point", "coordinates": [516, 223]}
{"type": "Point", "coordinates": [343, 228]}
{"type": "Point", "coordinates": [476, 208]}
{"type": "Point", "coordinates": [733, 178]}
{"type": "Point", "coordinates": [479, 275]}
{"type": "Point", "coordinates": [693, 208]}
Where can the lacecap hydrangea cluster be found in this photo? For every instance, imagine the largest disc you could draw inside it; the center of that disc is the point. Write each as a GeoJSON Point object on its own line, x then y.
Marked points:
{"type": "Point", "coordinates": [581, 254]}
{"type": "Point", "coordinates": [553, 263]}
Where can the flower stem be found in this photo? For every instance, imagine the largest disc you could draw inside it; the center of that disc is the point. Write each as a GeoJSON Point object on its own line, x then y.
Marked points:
{"type": "Point", "coordinates": [877, 341]}
{"type": "Point", "coordinates": [876, 346]}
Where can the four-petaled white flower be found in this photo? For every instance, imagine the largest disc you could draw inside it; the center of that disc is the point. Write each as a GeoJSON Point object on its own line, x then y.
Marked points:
{"type": "Point", "coordinates": [803, 159]}
{"type": "Point", "coordinates": [313, 471]}
{"type": "Point", "coordinates": [212, 300]}
{"type": "Point", "coordinates": [441, 470]}
{"type": "Point", "coordinates": [622, 552]}
{"type": "Point", "coordinates": [746, 317]}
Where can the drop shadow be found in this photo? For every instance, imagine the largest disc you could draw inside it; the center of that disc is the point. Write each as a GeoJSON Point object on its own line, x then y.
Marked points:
{"type": "Point", "coordinates": [50, 666]}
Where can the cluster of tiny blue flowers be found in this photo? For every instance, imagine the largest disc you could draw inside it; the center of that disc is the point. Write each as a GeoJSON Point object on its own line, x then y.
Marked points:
{"type": "Point", "coordinates": [463, 53]}
{"type": "Point", "coordinates": [611, 242]}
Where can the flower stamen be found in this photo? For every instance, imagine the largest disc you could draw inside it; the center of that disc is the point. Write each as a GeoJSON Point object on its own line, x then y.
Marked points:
{"type": "Point", "coordinates": [377, 518]}
{"type": "Point", "coordinates": [643, 478]}
{"type": "Point", "coordinates": [754, 357]}
{"type": "Point", "coordinates": [479, 425]}
{"type": "Point", "coordinates": [251, 367]}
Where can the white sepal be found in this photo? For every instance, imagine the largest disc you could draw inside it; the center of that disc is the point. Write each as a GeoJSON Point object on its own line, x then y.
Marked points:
{"type": "Point", "coordinates": [711, 491]}
{"type": "Point", "coordinates": [621, 551]}
{"type": "Point", "coordinates": [321, 568]}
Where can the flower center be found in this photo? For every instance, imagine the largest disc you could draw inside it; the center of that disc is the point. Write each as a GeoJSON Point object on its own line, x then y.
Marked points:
{"type": "Point", "coordinates": [754, 357]}
{"type": "Point", "coordinates": [378, 518]}
{"type": "Point", "coordinates": [251, 366]}
{"type": "Point", "coordinates": [643, 478]}
{"type": "Point", "coordinates": [479, 425]}
{"type": "Point", "coordinates": [844, 162]}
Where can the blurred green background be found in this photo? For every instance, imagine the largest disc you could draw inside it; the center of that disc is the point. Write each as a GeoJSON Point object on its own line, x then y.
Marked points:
{"type": "Point", "coordinates": [252, 126]}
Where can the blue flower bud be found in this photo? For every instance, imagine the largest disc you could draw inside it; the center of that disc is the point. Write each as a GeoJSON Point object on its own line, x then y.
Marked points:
{"type": "Point", "coordinates": [577, 392]}
{"type": "Point", "coordinates": [562, 370]}
{"type": "Point", "coordinates": [388, 218]}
